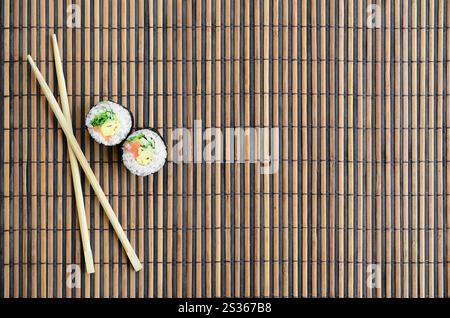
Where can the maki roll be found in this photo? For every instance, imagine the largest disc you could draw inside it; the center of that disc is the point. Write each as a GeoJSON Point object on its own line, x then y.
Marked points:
{"type": "Point", "coordinates": [144, 152]}
{"type": "Point", "coordinates": [108, 123]}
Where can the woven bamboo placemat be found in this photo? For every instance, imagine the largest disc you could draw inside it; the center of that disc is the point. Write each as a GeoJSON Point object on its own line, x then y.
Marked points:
{"type": "Point", "coordinates": [362, 182]}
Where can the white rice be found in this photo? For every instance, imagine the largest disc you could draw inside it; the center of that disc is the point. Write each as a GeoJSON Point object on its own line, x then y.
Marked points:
{"type": "Point", "coordinates": [122, 114]}
{"type": "Point", "coordinates": [160, 155]}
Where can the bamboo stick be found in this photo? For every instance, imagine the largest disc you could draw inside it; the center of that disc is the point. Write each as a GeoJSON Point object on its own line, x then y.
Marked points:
{"type": "Point", "coordinates": [197, 111]}
{"type": "Point", "coordinates": [274, 178]}
{"type": "Point", "coordinates": [341, 155]}
{"type": "Point", "coordinates": [314, 153]}
{"type": "Point", "coordinates": [236, 120]}
{"type": "Point", "coordinates": [171, 182]}
{"type": "Point", "coordinates": [447, 146]}
{"type": "Point", "coordinates": [333, 185]}
{"type": "Point", "coordinates": [247, 151]}
{"type": "Point", "coordinates": [323, 144]}
{"type": "Point", "coordinates": [414, 150]}
{"type": "Point", "coordinates": [349, 218]}
{"type": "Point", "coordinates": [423, 79]}
{"type": "Point", "coordinates": [73, 162]}
{"type": "Point", "coordinates": [27, 154]}
{"type": "Point", "coordinates": [47, 215]}
{"type": "Point", "coordinates": [16, 171]}
{"type": "Point", "coordinates": [218, 178]}
{"type": "Point", "coordinates": [360, 110]}
{"type": "Point", "coordinates": [179, 121]}
{"type": "Point", "coordinates": [130, 11]}
{"type": "Point", "coordinates": [208, 186]}
{"type": "Point", "coordinates": [387, 86]}
{"type": "Point", "coordinates": [152, 87]}
{"type": "Point", "coordinates": [369, 155]}
{"type": "Point", "coordinates": [295, 154]}
{"type": "Point", "coordinates": [284, 122]}
{"type": "Point", "coordinates": [227, 173]}
{"type": "Point", "coordinates": [159, 123]}
{"type": "Point", "coordinates": [397, 152]}
{"type": "Point", "coordinates": [304, 145]}
{"type": "Point", "coordinates": [406, 156]}
{"type": "Point", "coordinates": [440, 151]}
{"type": "Point", "coordinates": [6, 177]}
{"type": "Point", "coordinates": [85, 165]}
{"type": "Point", "coordinates": [258, 102]}
{"type": "Point", "coordinates": [189, 171]}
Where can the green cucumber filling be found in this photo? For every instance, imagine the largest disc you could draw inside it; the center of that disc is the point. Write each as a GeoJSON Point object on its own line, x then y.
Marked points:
{"type": "Point", "coordinates": [102, 117]}
{"type": "Point", "coordinates": [146, 142]}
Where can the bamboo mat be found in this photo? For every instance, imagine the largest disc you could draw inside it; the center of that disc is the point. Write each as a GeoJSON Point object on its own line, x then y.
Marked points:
{"type": "Point", "coordinates": [362, 119]}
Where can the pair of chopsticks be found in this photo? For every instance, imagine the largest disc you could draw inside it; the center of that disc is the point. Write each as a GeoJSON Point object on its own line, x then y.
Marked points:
{"type": "Point", "coordinates": [75, 153]}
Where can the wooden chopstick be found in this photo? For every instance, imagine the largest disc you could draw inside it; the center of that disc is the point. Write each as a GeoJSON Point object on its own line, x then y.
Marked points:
{"type": "Point", "coordinates": [87, 169]}
{"type": "Point", "coordinates": [73, 162]}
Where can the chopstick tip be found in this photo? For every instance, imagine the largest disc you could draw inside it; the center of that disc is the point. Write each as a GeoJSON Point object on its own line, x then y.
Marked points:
{"type": "Point", "coordinates": [137, 267]}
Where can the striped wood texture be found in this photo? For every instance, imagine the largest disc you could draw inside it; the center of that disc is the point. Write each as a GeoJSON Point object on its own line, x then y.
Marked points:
{"type": "Point", "coordinates": [362, 115]}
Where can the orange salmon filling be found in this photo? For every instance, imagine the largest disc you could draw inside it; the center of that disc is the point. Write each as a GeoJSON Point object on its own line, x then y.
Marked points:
{"type": "Point", "coordinates": [133, 148]}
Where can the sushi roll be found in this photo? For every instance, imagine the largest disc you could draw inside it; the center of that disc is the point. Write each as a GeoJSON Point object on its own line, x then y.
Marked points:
{"type": "Point", "coordinates": [109, 123]}
{"type": "Point", "coordinates": [144, 152]}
